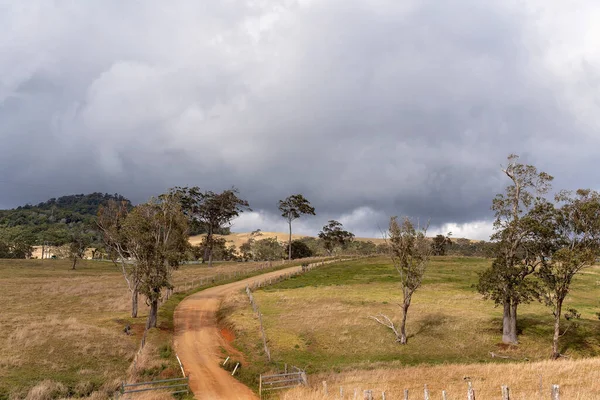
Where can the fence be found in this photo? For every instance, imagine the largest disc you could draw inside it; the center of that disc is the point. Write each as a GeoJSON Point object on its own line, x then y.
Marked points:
{"type": "Point", "coordinates": [173, 386]}
{"type": "Point", "coordinates": [371, 395]}
{"type": "Point", "coordinates": [281, 381]}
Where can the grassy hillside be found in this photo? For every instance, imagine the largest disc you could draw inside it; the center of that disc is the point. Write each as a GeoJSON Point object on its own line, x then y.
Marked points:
{"type": "Point", "coordinates": [320, 320]}
{"type": "Point", "coordinates": [237, 239]}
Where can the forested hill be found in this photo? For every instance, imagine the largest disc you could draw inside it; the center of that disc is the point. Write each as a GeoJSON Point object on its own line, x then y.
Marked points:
{"type": "Point", "coordinates": [53, 220]}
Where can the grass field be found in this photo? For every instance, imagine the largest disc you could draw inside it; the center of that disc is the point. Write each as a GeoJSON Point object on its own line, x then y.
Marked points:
{"type": "Point", "coordinates": [62, 330]}
{"type": "Point", "coordinates": [319, 321]}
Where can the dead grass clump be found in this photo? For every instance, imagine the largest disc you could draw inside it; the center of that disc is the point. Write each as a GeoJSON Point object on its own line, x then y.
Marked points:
{"type": "Point", "coordinates": [47, 390]}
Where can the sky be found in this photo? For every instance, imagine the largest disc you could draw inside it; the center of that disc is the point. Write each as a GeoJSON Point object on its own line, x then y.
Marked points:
{"type": "Point", "coordinates": [368, 108]}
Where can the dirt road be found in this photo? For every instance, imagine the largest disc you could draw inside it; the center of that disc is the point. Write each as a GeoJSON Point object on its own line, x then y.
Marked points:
{"type": "Point", "coordinates": [197, 342]}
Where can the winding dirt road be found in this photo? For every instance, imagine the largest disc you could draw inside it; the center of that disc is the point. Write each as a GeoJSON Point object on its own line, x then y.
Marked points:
{"type": "Point", "coordinates": [197, 341]}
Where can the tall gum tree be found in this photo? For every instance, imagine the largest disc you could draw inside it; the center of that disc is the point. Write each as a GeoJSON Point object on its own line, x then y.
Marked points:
{"type": "Point", "coordinates": [213, 211]}
{"type": "Point", "coordinates": [292, 208]}
{"type": "Point", "coordinates": [507, 281]}
{"type": "Point", "coordinates": [333, 235]}
{"type": "Point", "coordinates": [569, 237]}
{"type": "Point", "coordinates": [410, 252]}
{"type": "Point", "coordinates": [156, 235]}
{"type": "Point", "coordinates": [110, 223]}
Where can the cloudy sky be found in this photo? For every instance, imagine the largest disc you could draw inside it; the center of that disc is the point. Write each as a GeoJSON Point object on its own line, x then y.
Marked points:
{"type": "Point", "coordinates": [370, 108]}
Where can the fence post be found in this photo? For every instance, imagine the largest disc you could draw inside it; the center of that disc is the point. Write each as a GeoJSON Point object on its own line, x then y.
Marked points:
{"type": "Point", "coordinates": [425, 393]}
{"type": "Point", "coordinates": [368, 395]}
{"type": "Point", "coordinates": [555, 392]}
{"type": "Point", "coordinates": [470, 392]}
{"type": "Point", "coordinates": [355, 393]}
{"type": "Point", "coordinates": [444, 395]}
{"type": "Point", "coordinates": [341, 392]}
{"type": "Point", "coordinates": [505, 393]}
{"type": "Point", "coordinates": [235, 369]}
{"type": "Point", "coordinates": [405, 394]}
{"type": "Point", "coordinates": [325, 388]}
{"type": "Point", "coordinates": [383, 395]}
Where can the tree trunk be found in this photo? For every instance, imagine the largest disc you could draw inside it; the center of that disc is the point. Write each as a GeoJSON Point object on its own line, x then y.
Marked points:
{"type": "Point", "coordinates": [209, 247]}
{"type": "Point", "coordinates": [74, 262]}
{"type": "Point", "coordinates": [509, 323]}
{"type": "Point", "coordinates": [557, 313]}
{"type": "Point", "coordinates": [403, 339]}
{"type": "Point", "coordinates": [152, 315]}
{"type": "Point", "coordinates": [134, 303]}
{"type": "Point", "coordinates": [290, 243]}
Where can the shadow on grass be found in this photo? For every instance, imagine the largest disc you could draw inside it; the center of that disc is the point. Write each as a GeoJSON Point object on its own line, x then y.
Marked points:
{"type": "Point", "coordinates": [430, 323]}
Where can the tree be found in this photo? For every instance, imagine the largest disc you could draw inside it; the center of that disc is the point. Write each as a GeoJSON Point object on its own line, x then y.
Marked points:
{"type": "Point", "coordinates": [410, 253]}
{"type": "Point", "coordinates": [214, 211]}
{"type": "Point", "coordinates": [334, 235]}
{"type": "Point", "coordinates": [221, 251]}
{"type": "Point", "coordinates": [76, 247]}
{"type": "Point", "coordinates": [300, 250]}
{"type": "Point", "coordinates": [572, 245]}
{"type": "Point", "coordinates": [364, 248]}
{"type": "Point", "coordinates": [439, 243]}
{"type": "Point", "coordinates": [292, 208]}
{"type": "Point", "coordinates": [155, 234]}
{"type": "Point", "coordinates": [110, 222]}
{"type": "Point", "coordinates": [268, 249]}
{"type": "Point", "coordinates": [506, 281]}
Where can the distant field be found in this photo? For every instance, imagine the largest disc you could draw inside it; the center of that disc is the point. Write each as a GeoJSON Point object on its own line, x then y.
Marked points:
{"type": "Point", "coordinates": [66, 327]}
{"type": "Point", "coordinates": [237, 239]}
{"type": "Point", "coordinates": [319, 320]}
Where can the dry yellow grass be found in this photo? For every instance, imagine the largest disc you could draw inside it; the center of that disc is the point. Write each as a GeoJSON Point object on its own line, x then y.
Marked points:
{"type": "Point", "coordinates": [64, 327]}
{"type": "Point", "coordinates": [237, 239]}
{"type": "Point", "coordinates": [578, 380]}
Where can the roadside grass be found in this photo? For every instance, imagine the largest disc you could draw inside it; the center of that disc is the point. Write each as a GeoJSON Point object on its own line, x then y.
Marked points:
{"type": "Point", "coordinates": [62, 329]}
{"type": "Point", "coordinates": [319, 320]}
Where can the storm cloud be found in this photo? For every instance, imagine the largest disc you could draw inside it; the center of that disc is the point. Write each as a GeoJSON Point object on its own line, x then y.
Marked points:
{"type": "Point", "coordinates": [369, 108]}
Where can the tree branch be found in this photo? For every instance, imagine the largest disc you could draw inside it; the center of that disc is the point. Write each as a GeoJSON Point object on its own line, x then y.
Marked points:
{"type": "Point", "coordinates": [387, 322]}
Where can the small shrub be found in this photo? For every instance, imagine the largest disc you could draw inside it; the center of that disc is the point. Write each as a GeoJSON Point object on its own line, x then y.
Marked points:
{"type": "Point", "coordinates": [572, 314]}
{"type": "Point", "coordinates": [165, 351]}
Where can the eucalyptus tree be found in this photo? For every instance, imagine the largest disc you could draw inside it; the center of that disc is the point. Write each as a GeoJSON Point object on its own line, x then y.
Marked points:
{"type": "Point", "coordinates": [507, 282]}
{"type": "Point", "coordinates": [292, 208]}
{"type": "Point", "coordinates": [410, 252]}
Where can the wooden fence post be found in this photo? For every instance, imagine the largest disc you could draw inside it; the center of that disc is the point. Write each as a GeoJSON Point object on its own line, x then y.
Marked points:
{"type": "Point", "coordinates": [444, 395]}
{"type": "Point", "coordinates": [470, 392]}
{"type": "Point", "coordinates": [505, 393]}
{"type": "Point", "coordinates": [425, 393]}
{"type": "Point", "coordinates": [383, 395]}
{"type": "Point", "coordinates": [405, 394]}
{"type": "Point", "coordinates": [341, 392]}
{"type": "Point", "coordinates": [555, 392]}
{"type": "Point", "coordinates": [368, 395]}
{"type": "Point", "coordinates": [355, 393]}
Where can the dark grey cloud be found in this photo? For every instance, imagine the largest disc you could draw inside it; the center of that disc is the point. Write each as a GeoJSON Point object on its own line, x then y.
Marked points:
{"type": "Point", "coordinates": [369, 108]}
